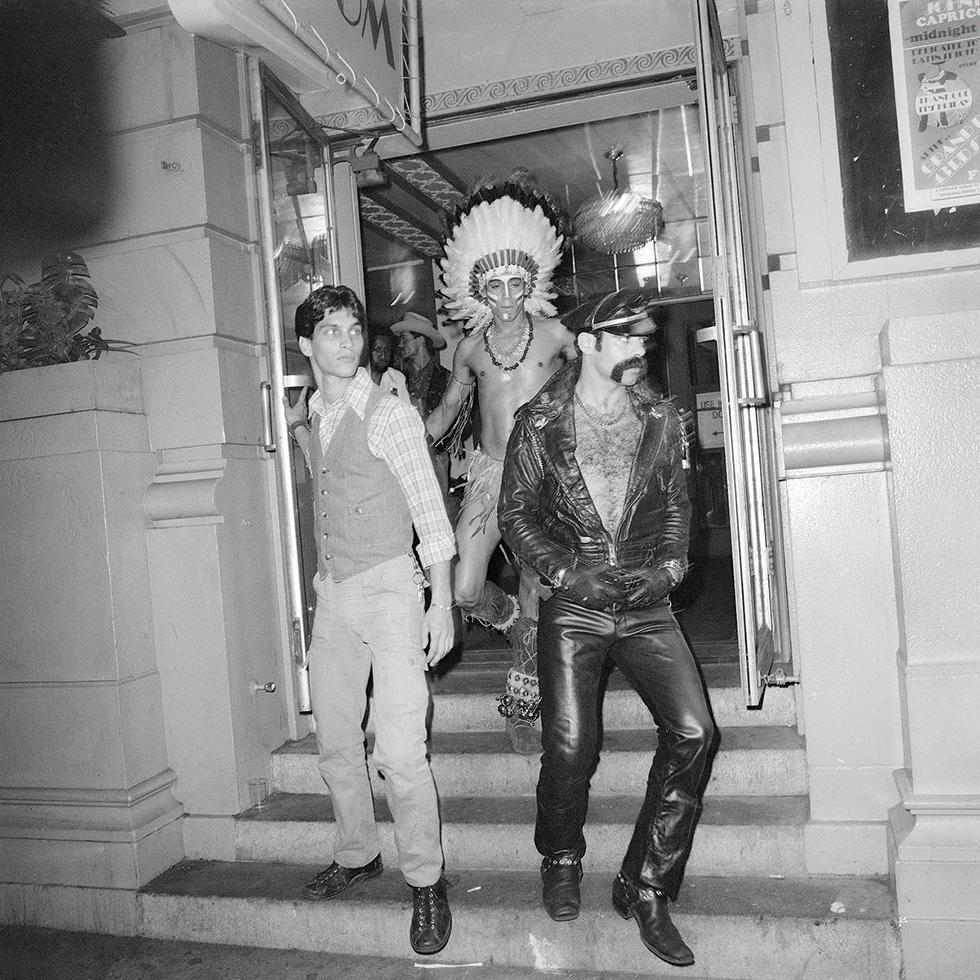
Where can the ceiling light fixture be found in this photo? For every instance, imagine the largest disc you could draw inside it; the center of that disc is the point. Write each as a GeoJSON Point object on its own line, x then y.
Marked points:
{"type": "Point", "coordinates": [617, 221]}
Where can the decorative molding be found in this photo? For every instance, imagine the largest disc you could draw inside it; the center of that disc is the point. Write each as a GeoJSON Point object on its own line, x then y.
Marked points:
{"type": "Point", "coordinates": [559, 81]}
{"type": "Point", "coordinates": [109, 682]}
{"type": "Point", "coordinates": [169, 238]}
{"type": "Point", "coordinates": [118, 815]}
{"type": "Point", "coordinates": [946, 805]}
{"type": "Point", "coordinates": [945, 669]}
{"type": "Point", "coordinates": [184, 492]}
{"type": "Point", "coordinates": [391, 224]}
{"type": "Point", "coordinates": [845, 432]}
{"type": "Point", "coordinates": [418, 172]}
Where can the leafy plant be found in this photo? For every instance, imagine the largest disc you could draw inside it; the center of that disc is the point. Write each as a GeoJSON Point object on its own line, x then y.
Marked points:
{"type": "Point", "coordinates": [47, 322]}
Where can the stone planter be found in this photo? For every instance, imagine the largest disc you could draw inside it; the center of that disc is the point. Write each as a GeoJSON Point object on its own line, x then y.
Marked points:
{"type": "Point", "coordinates": [85, 788]}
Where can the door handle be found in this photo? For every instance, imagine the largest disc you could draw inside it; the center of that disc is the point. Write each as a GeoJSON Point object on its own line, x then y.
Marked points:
{"type": "Point", "coordinates": [268, 436]}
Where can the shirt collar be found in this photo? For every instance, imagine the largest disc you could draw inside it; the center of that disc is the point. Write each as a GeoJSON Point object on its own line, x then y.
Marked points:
{"type": "Point", "coordinates": [355, 395]}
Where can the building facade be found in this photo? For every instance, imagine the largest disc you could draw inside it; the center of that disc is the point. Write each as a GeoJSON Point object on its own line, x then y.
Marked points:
{"type": "Point", "coordinates": [145, 603]}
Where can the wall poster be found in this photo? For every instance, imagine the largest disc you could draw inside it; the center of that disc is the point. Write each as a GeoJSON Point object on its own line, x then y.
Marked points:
{"type": "Point", "coordinates": [935, 47]}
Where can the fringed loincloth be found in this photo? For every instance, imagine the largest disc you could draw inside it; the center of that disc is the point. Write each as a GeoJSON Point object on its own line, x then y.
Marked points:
{"type": "Point", "coordinates": [482, 489]}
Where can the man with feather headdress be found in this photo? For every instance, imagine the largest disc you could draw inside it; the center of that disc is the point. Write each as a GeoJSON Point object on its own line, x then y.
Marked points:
{"type": "Point", "coordinates": [502, 248]}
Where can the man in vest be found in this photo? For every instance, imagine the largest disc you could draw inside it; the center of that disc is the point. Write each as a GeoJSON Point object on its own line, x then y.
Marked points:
{"type": "Point", "coordinates": [373, 481]}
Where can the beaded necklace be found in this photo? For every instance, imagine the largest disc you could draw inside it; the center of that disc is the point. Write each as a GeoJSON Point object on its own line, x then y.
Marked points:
{"type": "Point", "coordinates": [526, 337]}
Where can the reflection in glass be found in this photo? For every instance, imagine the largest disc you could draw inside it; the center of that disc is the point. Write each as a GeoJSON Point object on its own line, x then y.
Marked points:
{"type": "Point", "coordinates": [302, 248]}
{"type": "Point", "coordinates": [659, 158]}
{"type": "Point", "coordinates": [297, 179]}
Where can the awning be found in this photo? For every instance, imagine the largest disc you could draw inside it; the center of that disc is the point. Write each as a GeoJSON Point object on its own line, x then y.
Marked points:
{"type": "Point", "coordinates": [365, 53]}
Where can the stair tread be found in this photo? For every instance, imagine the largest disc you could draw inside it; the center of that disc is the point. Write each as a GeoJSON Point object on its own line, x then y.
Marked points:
{"type": "Point", "coordinates": [31, 953]}
{"type": "Point", "coordinates": [777, 897]}
{"type": "Point", "coordinates": [521, 810]}
{"type": "Point", "coordinates": [483, 672]}
{"type": "Point", "coordinates": [753, 737]}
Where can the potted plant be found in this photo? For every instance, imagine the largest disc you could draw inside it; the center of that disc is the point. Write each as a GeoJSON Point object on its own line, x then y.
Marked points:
{"type": "Point", "coordinates": [48, 321]}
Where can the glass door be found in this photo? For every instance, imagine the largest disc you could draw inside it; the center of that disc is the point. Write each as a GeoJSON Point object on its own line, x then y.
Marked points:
{"type": "Point", "coordinates": [745, 400]}
{"type": "Point", "coordinates": [299, 254]}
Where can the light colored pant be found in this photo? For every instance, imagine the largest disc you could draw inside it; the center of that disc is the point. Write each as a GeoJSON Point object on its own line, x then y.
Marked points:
{"type": "Point", "coordinates": [373, 621]}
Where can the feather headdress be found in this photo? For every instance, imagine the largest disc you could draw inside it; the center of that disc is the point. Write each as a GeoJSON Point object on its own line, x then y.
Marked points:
{"type": "Point", "coordinates": [502, 230]}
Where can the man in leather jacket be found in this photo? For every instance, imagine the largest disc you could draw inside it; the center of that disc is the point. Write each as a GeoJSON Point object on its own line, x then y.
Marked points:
{"type": "Point", "coordinates": [594, 499]}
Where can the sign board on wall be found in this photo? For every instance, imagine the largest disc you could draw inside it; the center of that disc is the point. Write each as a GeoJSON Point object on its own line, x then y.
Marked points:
{"type": "Point", "coordinates": [935, 46]}
{"type": "Point", "coordinates": [711, 429]}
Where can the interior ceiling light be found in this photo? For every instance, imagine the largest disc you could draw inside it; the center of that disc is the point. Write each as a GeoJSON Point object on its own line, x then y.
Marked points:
{"type": "Point", "coordinates": [617, 221]}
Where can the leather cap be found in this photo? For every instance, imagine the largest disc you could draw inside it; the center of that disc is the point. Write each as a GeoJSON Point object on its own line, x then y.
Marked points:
{"type": "Point", "coordinates": [626, 312]}
{"type": "Point", "coordinates": [416, 323]}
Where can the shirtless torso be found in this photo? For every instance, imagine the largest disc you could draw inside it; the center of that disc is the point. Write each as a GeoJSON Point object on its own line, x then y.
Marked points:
{"type": "Point", "coordinates": [501, 393]}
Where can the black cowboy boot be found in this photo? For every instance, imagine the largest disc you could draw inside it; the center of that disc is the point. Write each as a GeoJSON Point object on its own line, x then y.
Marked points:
{"type": "Point", "coordinates": [560, 877]}
{"type": "Point", "coordinates": [648, 906]}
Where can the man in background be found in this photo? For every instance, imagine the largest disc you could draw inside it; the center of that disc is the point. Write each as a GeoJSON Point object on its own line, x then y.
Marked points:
{"type": "Point", "coordinates": [418, 341]}
{"type": "Point", "coordinates": [382, 355]}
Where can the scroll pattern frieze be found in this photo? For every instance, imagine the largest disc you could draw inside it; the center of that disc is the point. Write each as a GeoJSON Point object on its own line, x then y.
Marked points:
{"type": "Point", "coordinates": [391, 224]}
{"type": "Point", "coordinates": [557, 81]}
{"type": "Point", "coordinates": [422, 177]}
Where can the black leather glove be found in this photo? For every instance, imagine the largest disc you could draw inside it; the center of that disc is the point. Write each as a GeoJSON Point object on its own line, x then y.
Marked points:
{"type": "Point", "coordinates": [645, 586]}
{"type": "Point", "coordinates": [594, 586]}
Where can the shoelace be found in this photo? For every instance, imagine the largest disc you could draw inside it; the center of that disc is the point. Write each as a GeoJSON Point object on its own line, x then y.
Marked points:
{"type": "Point", "coordinates": [427, 907]}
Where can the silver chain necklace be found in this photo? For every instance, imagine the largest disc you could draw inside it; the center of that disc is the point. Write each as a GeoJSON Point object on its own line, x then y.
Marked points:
{"type": "Point", "coordinates": [597, 419]}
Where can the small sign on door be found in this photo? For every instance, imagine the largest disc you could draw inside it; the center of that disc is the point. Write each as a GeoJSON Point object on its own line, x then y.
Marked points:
{"type": "Point", "coordinates": [711, 431]}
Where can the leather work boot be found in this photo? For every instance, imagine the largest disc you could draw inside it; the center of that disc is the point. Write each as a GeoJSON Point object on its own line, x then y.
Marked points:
{"type": "Point", "coordinates": [560, 877]}
{"type": "Point", "coordinates": [432, 920]}
{"type": "Point", "coordinates": [335, 879]}
{"type": "Point", "coordinates": [648, 906]}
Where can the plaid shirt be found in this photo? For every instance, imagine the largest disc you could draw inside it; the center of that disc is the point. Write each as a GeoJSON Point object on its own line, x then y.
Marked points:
{"type": "Point", "coordinates": [396, 435]}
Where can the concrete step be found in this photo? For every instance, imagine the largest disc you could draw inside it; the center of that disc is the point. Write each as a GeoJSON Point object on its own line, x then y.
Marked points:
{"type": "Point", "coordinates": [745, 928]}
{"type": "Point", "coordinates": [28, 953]}
{"type": "Point", "coordinates": [454, 711]}
{"type": "Point", "coordinates": [754, 835]}
{"type": "Point", "coordinates": [751, 761]}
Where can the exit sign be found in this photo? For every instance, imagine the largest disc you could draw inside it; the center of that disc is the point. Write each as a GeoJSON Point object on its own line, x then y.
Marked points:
{"type": "Point", "coordinates": [711, 431]}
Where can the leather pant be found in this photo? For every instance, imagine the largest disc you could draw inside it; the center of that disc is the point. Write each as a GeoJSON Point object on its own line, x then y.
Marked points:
{"type": "Point", "coordinates": [647, 645]}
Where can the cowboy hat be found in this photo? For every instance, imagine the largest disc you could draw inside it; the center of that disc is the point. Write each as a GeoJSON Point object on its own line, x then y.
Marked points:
{"type": "Point", "coordinates": [416, 323]}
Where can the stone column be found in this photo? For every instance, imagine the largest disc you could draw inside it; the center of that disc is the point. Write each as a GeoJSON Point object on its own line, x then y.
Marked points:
{"type": "Point", "coordinates": [932, 386]}
{"type": "Point", "coordinates": [844, 620]}
{"type": "Point", "coordinates": [180, 274]}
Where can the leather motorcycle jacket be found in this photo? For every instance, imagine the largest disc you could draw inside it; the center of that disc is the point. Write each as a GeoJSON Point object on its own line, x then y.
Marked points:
{"type": "Point", "coordinates": [546, 514]}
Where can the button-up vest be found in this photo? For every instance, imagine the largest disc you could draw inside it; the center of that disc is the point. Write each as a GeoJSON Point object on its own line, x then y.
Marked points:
{"type": "Point", "coordinates": [362, 518]}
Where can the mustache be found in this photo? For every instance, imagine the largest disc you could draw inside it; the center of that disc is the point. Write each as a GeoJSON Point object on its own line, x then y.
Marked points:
{"type": "Point", "coordinates": [623, 366]}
